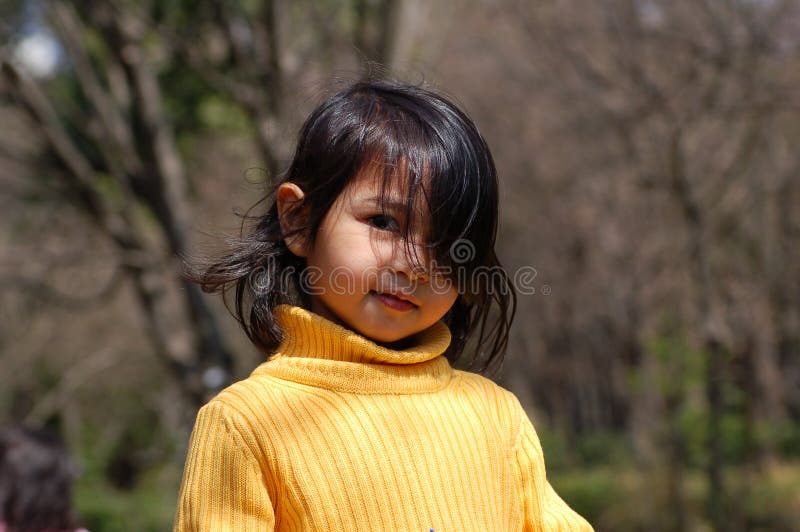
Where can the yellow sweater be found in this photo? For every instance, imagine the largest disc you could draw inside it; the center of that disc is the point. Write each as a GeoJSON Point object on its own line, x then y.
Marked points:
{"type": "Point", "coordinates": [335, 432]}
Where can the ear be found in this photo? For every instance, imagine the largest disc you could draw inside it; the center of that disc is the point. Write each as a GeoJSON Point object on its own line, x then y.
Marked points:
{"type": "Point", "coordinates": [292, 215]}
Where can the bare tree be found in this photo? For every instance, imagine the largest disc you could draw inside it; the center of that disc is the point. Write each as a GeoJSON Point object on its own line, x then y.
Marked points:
{"type": "Point", "coordinates": [124, 132]}
{"type": "Point", "coordinates": [672, 107]}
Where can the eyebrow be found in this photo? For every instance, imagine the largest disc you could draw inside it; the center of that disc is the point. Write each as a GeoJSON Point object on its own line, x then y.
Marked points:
{"type": "Point", "coordinates": [393, 204]}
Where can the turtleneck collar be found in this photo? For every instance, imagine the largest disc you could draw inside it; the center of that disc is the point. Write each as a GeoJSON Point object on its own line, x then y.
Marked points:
{"type": "Point", "coordinates": [318, 352]}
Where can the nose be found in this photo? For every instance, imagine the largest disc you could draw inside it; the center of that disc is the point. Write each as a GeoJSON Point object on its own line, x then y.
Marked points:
{"type": "Point", "coordinates": [403, 261]}
{"type": "Point", "coordinates": [420, 275]}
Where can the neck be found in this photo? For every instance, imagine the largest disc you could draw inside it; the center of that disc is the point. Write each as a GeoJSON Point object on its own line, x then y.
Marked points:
{"type": "Point", "coordinates": [319, 352]}
{"type": "Point", "coordinates": [309, 335]}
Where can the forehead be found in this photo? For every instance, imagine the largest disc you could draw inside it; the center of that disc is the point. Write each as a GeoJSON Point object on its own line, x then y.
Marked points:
{"type": "Point", "coordinates": [389, 189]}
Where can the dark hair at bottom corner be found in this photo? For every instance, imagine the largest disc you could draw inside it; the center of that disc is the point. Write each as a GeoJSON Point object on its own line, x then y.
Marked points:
{"type": "Point", "coordinates": [407, 129]}
{"type": "Point", "coordinates": [36, 475]}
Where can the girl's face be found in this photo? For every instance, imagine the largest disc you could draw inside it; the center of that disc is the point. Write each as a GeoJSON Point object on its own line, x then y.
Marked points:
{"type": "Point", "coordinates": [358, 271]}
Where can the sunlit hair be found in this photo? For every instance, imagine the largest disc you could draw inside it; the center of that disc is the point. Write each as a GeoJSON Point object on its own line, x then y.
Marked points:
{"type": "Point", "coordinates": [427, 148]}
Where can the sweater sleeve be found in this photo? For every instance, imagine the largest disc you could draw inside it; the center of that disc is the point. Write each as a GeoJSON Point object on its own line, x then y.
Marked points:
{"type": "Point", "coordinates": [544, 510]}
{"type": "Point", "coordinates": [223, 487]}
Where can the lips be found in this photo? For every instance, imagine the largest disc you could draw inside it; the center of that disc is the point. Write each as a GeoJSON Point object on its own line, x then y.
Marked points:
{"type": "Point", "coordinates": [394, 300]}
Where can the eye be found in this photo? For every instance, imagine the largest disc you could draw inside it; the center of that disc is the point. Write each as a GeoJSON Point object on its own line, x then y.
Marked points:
{"type": "Point", "coordinates": [383, 222]}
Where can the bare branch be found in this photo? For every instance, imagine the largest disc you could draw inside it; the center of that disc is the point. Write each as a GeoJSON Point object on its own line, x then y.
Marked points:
{"type": "Point", "coordinates": [50, 295]}
{"type": "Point", "coordinates": [86, 370]}
{"type": "Point", "coordinates": [116, 137]}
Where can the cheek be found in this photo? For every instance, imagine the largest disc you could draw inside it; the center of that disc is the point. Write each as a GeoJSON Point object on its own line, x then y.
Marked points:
{"type": "Point", "coordinates": [346, 267]}
{"type": "Point", "coordinates": [443, 300]}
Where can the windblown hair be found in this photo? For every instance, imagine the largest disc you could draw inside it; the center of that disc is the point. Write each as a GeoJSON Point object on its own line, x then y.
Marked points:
{"type": "Point", "coordinates": [36, 477]}
{"type": "Point", "coordinates": [425, 146]}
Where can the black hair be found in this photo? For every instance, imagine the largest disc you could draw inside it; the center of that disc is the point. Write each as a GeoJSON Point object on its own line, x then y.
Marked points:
{"type": "Point", "coordinates": [426, 146]}
{"type": "Point", "coordinates": [36, 476]}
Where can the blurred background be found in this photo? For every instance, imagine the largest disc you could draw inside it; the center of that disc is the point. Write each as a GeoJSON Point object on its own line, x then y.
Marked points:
{"type": "Point", "coordinates": [650, 177]}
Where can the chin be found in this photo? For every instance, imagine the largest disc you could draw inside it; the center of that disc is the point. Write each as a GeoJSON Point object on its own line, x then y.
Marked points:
{"type": "Point", "coordinates": [398, 345]}
{"type": "Point", "coordinates": [383, 338]}
{"type": "Point", "coordinates": [379, 331]}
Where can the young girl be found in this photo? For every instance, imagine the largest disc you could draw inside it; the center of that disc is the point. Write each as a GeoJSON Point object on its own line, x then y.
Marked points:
{"type": "Point", "coordinates": [372, 271]}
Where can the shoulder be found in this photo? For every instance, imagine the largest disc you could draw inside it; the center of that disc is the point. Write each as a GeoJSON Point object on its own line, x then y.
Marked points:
{"type": "Point", "coordinates": [489, 390]}
{"type": "Point", "coordinates": [249, 398]}
{"type": "Point", "coordinates": [484, 393]}
{"type": "Point", "coordinates": [256, 406]}
{"type": "Point", "coordinates": [235, 422]}
{"type": "Point", "coordinates": [241, 410]}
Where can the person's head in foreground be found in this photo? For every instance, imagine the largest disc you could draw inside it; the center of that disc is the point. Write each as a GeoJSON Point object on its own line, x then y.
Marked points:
{"type": "Point", "coordinates": [36, 476]}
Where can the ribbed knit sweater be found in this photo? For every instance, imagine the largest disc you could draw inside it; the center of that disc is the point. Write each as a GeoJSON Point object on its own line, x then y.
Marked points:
{"type": "Point", "coordinates": [335, 432]}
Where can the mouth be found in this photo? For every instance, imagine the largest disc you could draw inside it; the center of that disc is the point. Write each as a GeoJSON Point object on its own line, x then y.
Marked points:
{"type": "Point", "coordinates": [394, 300]}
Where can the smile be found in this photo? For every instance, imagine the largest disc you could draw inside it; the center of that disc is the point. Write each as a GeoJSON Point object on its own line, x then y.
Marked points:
{"type": "Point", "coordinates": [393, 301]}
